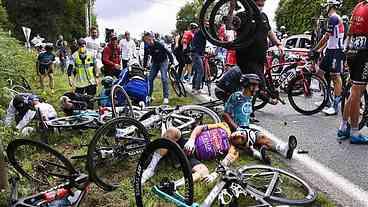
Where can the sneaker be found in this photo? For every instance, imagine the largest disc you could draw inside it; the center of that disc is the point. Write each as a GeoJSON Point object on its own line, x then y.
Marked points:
{"type": "Point", "coordinates": [166, 101]}
{"type": "Point", "coordinates": [291, 147]}
{"type": "Point", "coordinates": [330, 111]}
{"type": "Point", "coordinates": [265, 158]}
{"type": "Point", "coordinates": [343, 134]}
{"type": "Point", "coordinates": [360, 139]}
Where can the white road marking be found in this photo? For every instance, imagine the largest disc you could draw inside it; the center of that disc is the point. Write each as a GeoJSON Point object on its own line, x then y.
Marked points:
{"type": "Point", "coordinates": [334, 179]}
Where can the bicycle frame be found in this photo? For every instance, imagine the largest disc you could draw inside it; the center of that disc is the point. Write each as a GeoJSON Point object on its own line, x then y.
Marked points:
{"type": "Point", "coordinates": [59, 192]}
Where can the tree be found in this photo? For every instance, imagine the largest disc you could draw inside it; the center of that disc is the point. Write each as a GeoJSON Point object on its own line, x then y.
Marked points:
{"type": "Point", "coordinates": [4, 22]}
{"type": "Point", "coordinates": [299, 15]}
{"type": "Point", "coordinates": [187, 14]}
{"type": "Point", "coordinates": [48, 18]}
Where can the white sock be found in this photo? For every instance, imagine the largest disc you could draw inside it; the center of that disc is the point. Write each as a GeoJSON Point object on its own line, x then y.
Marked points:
{"type": "Point", "coordinates": [282, 148]}
{"type": "Point", "coordinates": [343, 125]}
{"type": "Point", "coordinates": [355, 131]}
{"type": "Point", "coordinates": [257, 154]}
{"type": "Point", "coordinates": [179, 182]}
{"type": "Point", "coordinates": [155, 159]}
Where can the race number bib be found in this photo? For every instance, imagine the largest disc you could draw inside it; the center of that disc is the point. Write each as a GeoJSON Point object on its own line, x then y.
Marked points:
{"type": "Point", "coordinates": [359, 43]}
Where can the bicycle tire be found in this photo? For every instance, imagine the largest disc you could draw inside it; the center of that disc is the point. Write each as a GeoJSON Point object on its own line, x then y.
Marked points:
{"type": "Point", "coordinates": [99, 136]}
{"type": "Point", "coordinates": [183, 91]}
{"type": "Point", "coordinates": [74, 121]}
{"type": "Point", "coordinates": [11, 152]}
{"type": "Point", "coordinates": [261, 104]}
{"type": "Point", "coordinates": [213, 70]}
{"type": "Point", "coordinates": [114, 103]}
{"type": "Point", "coordinates": [184, 166]}
{"type": "Point", "coordinates": [176, 87]}
{"type": "Point", "coordinates": [293, 83]}
{"type": "Point", "coordinates": [245, 39]}
{"type": "Point", "coordinates": [213, 115]}
{"type": "Point", "coordinates": [309, 197]}
{"type": "Point", "coordinates": [19, 89]}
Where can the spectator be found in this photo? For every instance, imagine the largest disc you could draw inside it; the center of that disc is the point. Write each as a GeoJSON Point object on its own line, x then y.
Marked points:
{"type": "Point", "coordinates": [179, 55]}
{"type": "Point", "coordinates": [45, 66]}
{"type": "Point", "coordinates": [186, 40]}
{"type": "Point", "coordinates": [160, 56]}
{"type": "Point", "coordinates": [128, 49]}
{"type": "Point", "coordinates": [94, 46]}
{"type": "Point", "coordinates": [111, 58]}
{"type": "Point", "coordinates": [83, 69]}
{"type": "Point", "coordinates": [198, 47]}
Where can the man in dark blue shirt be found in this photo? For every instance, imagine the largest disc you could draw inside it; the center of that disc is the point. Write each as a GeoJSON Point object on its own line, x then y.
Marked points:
{"type": "Point", "coordinates": [159, 62]}
{"type": "Point", "coordinates": [198, 46]}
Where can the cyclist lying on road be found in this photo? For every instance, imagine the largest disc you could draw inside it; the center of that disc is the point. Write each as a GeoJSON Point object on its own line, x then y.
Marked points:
{"type": "Point", "coordinates": [23, 109]}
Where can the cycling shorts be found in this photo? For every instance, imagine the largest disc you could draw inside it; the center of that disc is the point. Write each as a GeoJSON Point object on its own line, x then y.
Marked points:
{"type": "Point", "coordinates": [44, 69]}
{"type": "Point", "coordinates": [359, 68]}
{"type": "Point", "coordinates": [333, 61]}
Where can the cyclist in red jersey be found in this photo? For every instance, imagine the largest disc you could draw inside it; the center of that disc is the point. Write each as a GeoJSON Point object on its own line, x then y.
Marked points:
{"type": "Point", "coordinates": [356, 43]}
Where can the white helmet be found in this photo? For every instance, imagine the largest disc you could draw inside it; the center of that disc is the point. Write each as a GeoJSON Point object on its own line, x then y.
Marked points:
{"type": "Point", "coordinates": [336, 3]}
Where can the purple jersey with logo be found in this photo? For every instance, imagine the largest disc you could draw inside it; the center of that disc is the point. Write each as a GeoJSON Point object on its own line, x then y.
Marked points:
{"type": "Point", "coordinates": [213, 142]}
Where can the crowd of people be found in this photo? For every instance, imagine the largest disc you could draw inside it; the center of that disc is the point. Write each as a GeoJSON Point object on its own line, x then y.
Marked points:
{"type": "Point", "coordinates": [89, 61]}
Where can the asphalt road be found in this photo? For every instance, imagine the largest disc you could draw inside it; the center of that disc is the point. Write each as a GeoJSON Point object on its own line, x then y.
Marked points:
{"type": "Point", "coordinates": [316, 134]}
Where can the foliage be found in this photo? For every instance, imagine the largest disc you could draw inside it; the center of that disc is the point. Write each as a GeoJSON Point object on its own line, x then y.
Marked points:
{"type": "Point", "coordinates": [4, 22]}
{"type": "Point", "coordinates": [48, 18]}
{"type": "Point", "coordinates": [298, 15]}
{"type": "Point", "coordinates": [187, 14]}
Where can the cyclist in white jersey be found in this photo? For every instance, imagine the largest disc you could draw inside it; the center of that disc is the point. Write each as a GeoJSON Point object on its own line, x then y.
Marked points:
{"type": "Point", "coordinates": [332, 62]}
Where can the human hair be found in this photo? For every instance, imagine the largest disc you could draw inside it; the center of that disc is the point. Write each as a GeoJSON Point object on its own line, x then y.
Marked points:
{"type": "Point", "coordinates": [93, 28]}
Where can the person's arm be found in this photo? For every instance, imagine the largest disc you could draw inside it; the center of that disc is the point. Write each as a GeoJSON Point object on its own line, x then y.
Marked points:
{"type": "Point", "coordinates": [106, 58]}
{"type": "Point", "coordinates": [71, 71]}
{"type": "Point", "coordinates": [10, 114]}
{"type": "Point", "coordinates": [232, 156]}
{"type": "Point", "coordinates": [97, 71]}
{"type": "Point", "coordinates": [190, 145]}
{"type": "Point", "coordinates": [27, 118]}
{"type": "Point", "coordinates": [169, 55]}
{"type": "Point", "coordinates": [145, 57]}
{"type": "Point", "coordinates": [322, 42]}
{"type": "Point", "coordinates": [228, 111]}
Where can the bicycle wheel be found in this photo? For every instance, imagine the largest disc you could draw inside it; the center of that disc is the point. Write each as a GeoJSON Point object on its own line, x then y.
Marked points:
{"type": "Point", "coordinates": [121, 103]}
{"type": "Point", "coordinates": [20, 89]}
{"type": "Point", "coordinates": [276, 185]}
{"type": "Point", "coordinates": [314, 96]}
{"type": "Point", "coordinates": [242, 19]}
{"type": "Point", "coordinates": [42, 165]}
{"type": "Point", "coordinates": [111, 153]}
{"type": "Point", "coordinates": [163, 188]}
{"type": "Point", "coordinates": [177, 87]}
{"type": "Point", "coordinates": [183, 91]}
{"type": "Point", "coordinates": [213, 70]}
{"type": "Point", "coordinates": [70, 121]}
{"type": "Point", "coordinates": [199, 114]}
{"type": "Point", "coordinates": [258, 103]}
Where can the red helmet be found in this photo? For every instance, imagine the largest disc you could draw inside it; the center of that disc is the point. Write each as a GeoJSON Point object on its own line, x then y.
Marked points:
{"type": "Point", "coordinates": [359, 20]}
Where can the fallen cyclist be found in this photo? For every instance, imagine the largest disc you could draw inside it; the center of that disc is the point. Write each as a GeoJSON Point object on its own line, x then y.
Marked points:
{"type": "Point", "coordinates": [23, 108]}
{"type": "Point", "coordinates": [208, 142]}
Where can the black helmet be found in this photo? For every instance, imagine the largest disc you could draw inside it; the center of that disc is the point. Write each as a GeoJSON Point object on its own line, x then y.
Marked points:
{"type": "Point", "coordinates": [19, 102]}
{"type": "Point", "coordinates": [107, 81]}
{"type": "Point", "coordinates": [49, 46]}
{"type": "Point", "coordinates": [247, 79]}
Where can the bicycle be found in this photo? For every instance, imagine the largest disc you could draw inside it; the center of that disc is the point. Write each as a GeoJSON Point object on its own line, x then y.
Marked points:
{"type": "Point", "coordinates": [263, 185]}
{"type": "Point", "coordinates": [176, 82]}
{"type": "Point", "coordinates": [238, 15]}
{"type": "Point", "coordinates": [51, 174]}
{"type": "Point", "coordinates": [299, 81]}
{"type": "Point", "coordinates": [123, 138]}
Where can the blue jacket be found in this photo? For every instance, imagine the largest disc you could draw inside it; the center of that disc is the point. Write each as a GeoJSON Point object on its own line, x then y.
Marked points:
{"type": "Point", "coordinates": [198, 44]}
{"type": "Point", "coordinates": [158, 53]}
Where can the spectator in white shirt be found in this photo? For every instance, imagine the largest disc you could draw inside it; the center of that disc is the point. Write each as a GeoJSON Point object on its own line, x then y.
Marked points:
{"type": "Point", "coordinates": [128, 49]}
{"type": "Point", "coordinates": [93, 46]}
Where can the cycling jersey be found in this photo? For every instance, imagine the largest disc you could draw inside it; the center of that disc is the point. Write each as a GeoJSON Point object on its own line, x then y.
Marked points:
{"type": "Point", "coordinates": [47, 111]}
{"type": "Point", "coordinates": [239, 107]}
{"type": "Point", "coordinates": [213, 141]}
{"type": "Point", "coordinates": [336, 32]}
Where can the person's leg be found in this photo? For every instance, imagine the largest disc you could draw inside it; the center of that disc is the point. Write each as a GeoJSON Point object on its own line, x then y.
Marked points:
{"type": "Point", "coordinates": [151, 77]}
{"type": "Point", "coordinates": [198, 71]}
{"type": "Point", "coordinates": [356, 92]}
{"type": "Point", "coordinates": [51, 78]}
{"type": "Point", "coordinates": [285, 149]}
{"type": "Point", "coordinates": [164, 78]}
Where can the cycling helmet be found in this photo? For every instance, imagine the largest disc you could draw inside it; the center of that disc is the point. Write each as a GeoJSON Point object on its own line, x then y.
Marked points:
{"type": "Point", "coordinates": [345, 18]}
{"type": "Point", "coordinates": [193, 25]}
{"type": "Point", "coordinates": [49, 46]}
{"type": "Point", "coordinates": [19, 102]}
{"type": "Point", "coordinates": [333, 3]}
{"type": "Point", "coordinates": [107, 82]}
{"type": "Point", "coordinates": [282, 28]}
{"type": "Point", "coordinates": [248, 79]}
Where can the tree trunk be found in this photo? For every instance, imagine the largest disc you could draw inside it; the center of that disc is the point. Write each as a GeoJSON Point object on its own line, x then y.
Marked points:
{"type": "Point", "coordinates": [3, 170]}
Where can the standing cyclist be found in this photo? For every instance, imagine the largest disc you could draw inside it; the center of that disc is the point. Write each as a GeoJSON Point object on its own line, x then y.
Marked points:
{"type": "Point", "coordinates": [357, 42]}
{"type": "Point", "coordinates": [332, 62]}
